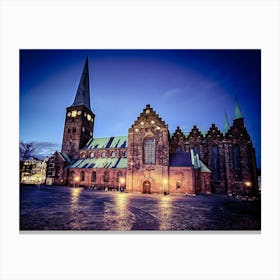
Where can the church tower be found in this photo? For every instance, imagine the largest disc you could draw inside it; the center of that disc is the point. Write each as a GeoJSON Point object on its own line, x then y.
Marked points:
{"type": "Point", "coordinates": [79, 119]}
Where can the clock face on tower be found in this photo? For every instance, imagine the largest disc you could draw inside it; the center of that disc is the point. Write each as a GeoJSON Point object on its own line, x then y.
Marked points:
{"type": "Point", "coordinates": [88, 117]}
{"type": "Point", "coordinates": [69, 114]}
{"type": "Point", "coordinates": [74, 113]}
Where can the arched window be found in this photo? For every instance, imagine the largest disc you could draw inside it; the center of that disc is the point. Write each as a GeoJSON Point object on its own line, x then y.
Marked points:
{"type": "Point", "coordinates": [196, 150]}
{"type": "Point", "coordinates": [72, 174]}
{"type": "Point", "coordinates": [236, 162]}
{"type": "Point", "coordinates": [103, 155]}
{"type": "Point", "coordinates": [83, 155]}
{"type": "Point", "coordinates": [124, 154]}
{"type": "Point", "coordinates": [106, 177]}
{"type": "Point", "coordinates": [178, 149]}
{"type": "Point", "coordinates": [92, 154]}
{"type": "Point", "coordinates": [214, 163]}
{"type": "Point", "coordinates": [93, 176]}
{"type": "Point", "coordinates": [119, 175]}
{"type": "Point", "coordinates": [82, 176]}
{"type": "Point", "coordinates": [149, 151]}
{"type": "Point", "coordinates": [113, 154]}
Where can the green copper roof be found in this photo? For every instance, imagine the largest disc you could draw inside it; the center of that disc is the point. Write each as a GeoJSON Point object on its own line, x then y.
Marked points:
{"type": "Point", "coordinates": [237, 112]}
{"type": "Point", "coordinates": [100, 163]}
{"type": "Point", "coordinates": [107, 143]}
{"type": "Point", "coordinates": [227, 125]}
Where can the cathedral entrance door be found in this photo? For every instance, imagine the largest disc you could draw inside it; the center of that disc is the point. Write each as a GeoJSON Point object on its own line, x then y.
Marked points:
{"type": "Point", "coordinates": [147, 187]}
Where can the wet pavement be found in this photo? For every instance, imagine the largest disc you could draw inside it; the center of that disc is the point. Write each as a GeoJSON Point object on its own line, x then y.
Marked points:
{"type": "Point", "coordinates": [63, 208]}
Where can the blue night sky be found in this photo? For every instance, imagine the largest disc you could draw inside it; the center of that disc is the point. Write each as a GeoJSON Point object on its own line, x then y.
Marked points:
{"type": "Point", "coordinates": [185, 87]}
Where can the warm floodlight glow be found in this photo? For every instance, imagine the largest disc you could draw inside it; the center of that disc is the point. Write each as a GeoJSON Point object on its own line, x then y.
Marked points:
{"type": "Point", "coordinates": [76, 179]}
{"type": "Point", "coordinates": [164, 181]}
{"type": "Point", "coordinates": [122, 180]}
{"type": "Point", "coordinates": [248, 184]}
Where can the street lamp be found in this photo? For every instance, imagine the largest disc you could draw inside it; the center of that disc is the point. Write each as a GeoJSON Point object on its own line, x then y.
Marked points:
{"type": "Point", "coordinates": [76, 179]}
{"type": "Point", "coordinates": [122, 181]}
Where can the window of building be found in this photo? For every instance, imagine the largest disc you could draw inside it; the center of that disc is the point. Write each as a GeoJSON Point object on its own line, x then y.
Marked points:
{"type": "Point", "coordinates": [196, 150]}
{"type": "Point", "coordinates": [83, 155]}
{"type": "Point", "coordinates": [72, 174]}
{"type": "Point", "coordinates": [106, 177]}
{"type": "Point", "coordinates": [149, 151]}
{"type": "Point", "coordinates": [92, 154]}
{"type": "Point", "coordinates": [103, 155]}
{"type": "Point", "coordinates": [215, 163]}
{"type": "Point", "coordinates": [236, 162]}
{"type": "Point", "coordinates": [178, 185]}
{"type": "Point", "coordinates": [69, 130]}
{"type": "Point", "coordinates": [93, 176]}
{"type": "Point", "coordinates": [113, 154]}
{"type": "Point", "coordinates": [124, 154]}
{"type": "Point", "coordinates": [82, 176]}
{"type": "Point", "coordinates": [178, 149]}
{"type": "Point", "coordinates": [74, 129]}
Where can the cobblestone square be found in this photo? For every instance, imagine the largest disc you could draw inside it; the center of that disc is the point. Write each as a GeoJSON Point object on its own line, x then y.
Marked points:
{"type": "Point", "coordinates": [63, 208]}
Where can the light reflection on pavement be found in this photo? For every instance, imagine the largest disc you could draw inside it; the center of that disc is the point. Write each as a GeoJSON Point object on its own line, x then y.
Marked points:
{"type": "Point", "coordinates": [63, 208]}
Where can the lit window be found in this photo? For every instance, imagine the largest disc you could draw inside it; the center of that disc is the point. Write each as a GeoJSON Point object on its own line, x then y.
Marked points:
{"type": "Point", "coordinates": [124, 154]}
{"type": "Point", "coordinates": [149, 151]}
{"type": "Point", "coordinates": [113, 154]}
{"type": "Point", "coordinates": [92, 154]}
{"type": "Point", "coordinates": [103, 155]}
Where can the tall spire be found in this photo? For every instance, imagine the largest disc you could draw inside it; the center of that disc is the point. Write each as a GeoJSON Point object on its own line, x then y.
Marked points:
{"type": "Point", "coordinates": [227, 125]}
{"type": "Point", "coordinates": [83, 93]}
{"type": "Point", "coordinates": [237, 112]}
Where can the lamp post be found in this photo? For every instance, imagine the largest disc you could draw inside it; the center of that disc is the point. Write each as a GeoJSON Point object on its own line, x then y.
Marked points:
{"type": "Point", "coordinates": [164, 186]}
{"type": "Point", "coordinates": [121, 181]}
{"type": "Point", "coordinates": [76, 179]}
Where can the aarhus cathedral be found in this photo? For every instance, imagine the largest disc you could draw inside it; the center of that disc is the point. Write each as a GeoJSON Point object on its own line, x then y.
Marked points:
{"type": "Point", "coordinates": [151, 159]}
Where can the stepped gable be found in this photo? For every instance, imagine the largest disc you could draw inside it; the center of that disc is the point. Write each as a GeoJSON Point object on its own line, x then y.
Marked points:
{"type": "Point", "coordinates": [214, 133]}
{"type": "Point", "coordinates": [237, 131]}
{"type": "Point", "coordinates": [195, 134]}
{"type": "Point", "coordinates": [148, 119]}
{"type": "Point", "coordinates": [177, 141]}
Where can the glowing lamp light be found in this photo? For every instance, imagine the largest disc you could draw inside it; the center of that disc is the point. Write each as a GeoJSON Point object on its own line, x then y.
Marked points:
{"type": "Point", "coordinates": [76, 179]}
{"type": "Point", "coordinates": [164, 181]}
{"type": "Point", "coordinates": [122, 180]}
{"type": "Point", "coordinates": [248, 184]}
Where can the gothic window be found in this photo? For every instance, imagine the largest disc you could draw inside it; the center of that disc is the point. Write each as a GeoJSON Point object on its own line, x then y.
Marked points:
{"type": "Point", "coordinates": [196, 150]}
{"type": "Point", "coordinates": [103, 155]}
{"type": "Point", "coordinates": [178, 149]}
{"type": "Point", "coordinates": [72, 174]}
{"type": "Point", "coordinates": [106, 177]}
{"type": "Point", "coordinates": [83, 155]}
{"type": "Point", "coordinates": [92, 154]}
{"type": "Point", "coordinates": [69, 130]}
{"type": "Point", "coordinates": [119, 175]}
{"type": "Point", "coordinates": [113, 154]}
{"type": "Point", "coordinates": [93, 176]}
{"type": "Point", "coordinates": [178, 185]}
{"type": "Point", "coordinates": [149, 151]}
{"type": "Point", "coordinates": [124, 154]}
{"type": "Point", "coordinates": [74, 129]}
{"type": "Point", "coordinates": [82, 176]}
{"type": "Point", "coordinates": [215, 163]}
{"type": "Point", "coordinates": [236, 163]}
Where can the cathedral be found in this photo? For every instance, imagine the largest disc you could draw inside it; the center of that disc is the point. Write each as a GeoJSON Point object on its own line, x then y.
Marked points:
{"type": "Point", "coordinates": [151, 159]}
